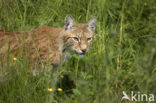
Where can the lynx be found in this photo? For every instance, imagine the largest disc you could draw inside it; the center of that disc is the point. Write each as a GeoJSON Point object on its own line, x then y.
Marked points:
{"type": "Point", "coordinates": [50, 44]}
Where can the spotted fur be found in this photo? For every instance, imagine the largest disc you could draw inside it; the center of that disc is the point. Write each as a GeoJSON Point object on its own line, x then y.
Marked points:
{"type": "Point", "coordinates": [48, 43]}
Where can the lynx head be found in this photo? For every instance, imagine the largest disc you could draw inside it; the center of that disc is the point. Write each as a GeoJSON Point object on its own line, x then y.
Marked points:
{"type": "Point", "coordinates": [78, 37]}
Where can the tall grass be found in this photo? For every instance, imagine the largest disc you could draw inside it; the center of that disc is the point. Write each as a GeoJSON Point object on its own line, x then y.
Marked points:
{"type": "Point", "coordinates": [122, 56]}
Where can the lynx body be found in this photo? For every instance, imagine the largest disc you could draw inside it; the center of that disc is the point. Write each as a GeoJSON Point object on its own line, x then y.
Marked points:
{"type": "Point", "coordinates": [48, 43]}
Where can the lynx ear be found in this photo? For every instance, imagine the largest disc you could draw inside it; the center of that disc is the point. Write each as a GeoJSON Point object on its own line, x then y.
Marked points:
{"type": "Point", "coordinates": [92, 23]}
{"type": "Point", "coordinates": [69, 22]}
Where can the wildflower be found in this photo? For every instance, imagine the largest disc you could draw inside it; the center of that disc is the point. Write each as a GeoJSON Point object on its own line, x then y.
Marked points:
{"type": "Point", "coordinates": [62, 76]}
{"type": "Point", "coordinates": [50, 89]}
{"type": "Point", "coordinates": [145, 4]}
{"type": "Point", "coordinates": [14, 59]}
{"type": "Point", "coordinates": [59, 89]}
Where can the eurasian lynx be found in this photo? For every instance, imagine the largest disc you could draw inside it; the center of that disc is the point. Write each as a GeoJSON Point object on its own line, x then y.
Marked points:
{"type": "Point", "coordinates": [51, 44]}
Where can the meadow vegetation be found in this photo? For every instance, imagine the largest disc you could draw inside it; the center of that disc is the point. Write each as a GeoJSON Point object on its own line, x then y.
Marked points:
{"type": "Point", "coordinates": [122, 56]}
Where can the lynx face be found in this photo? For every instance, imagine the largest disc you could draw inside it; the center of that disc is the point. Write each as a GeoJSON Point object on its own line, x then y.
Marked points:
{"type": "Point", "coordinates": [78, 37]}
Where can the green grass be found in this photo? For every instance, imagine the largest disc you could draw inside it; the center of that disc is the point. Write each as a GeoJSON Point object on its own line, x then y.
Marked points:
{"type": "Point", "coordinates": [122, 56]}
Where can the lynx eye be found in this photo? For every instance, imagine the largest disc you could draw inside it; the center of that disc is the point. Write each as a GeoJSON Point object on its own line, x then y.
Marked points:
{"type": "Point", "coordinates": [76, 39]}
{"type": "Point", "coordinates": [89, 39]}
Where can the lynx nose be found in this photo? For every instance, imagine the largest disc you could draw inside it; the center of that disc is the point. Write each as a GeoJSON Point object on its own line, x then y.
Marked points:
{"type": "Point", "coordinates": [83, 50]}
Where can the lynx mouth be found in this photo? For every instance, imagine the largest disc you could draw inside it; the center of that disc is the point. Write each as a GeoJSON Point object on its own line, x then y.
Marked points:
{"type": "Point", "coordinates": [81, 54]}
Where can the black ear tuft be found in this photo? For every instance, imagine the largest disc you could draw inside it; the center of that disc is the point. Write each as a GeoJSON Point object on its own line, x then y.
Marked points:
{"type": "Point", "coordinates": [69, 22]}
{"type": "Point", "coordinates": [92, 23]}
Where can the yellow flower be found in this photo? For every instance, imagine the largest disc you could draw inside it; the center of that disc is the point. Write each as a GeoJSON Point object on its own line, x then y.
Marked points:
{"type": "Point", "coordinates": [145, 4]}
{"type": "Point", "coordinates": [50, 89]}
{"type": "Point", "coordinates": [62, 76]}
{"type": "Point", "coordinates": [59, 89]}
{"type": "Point", "coordinates": [14, 59]}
